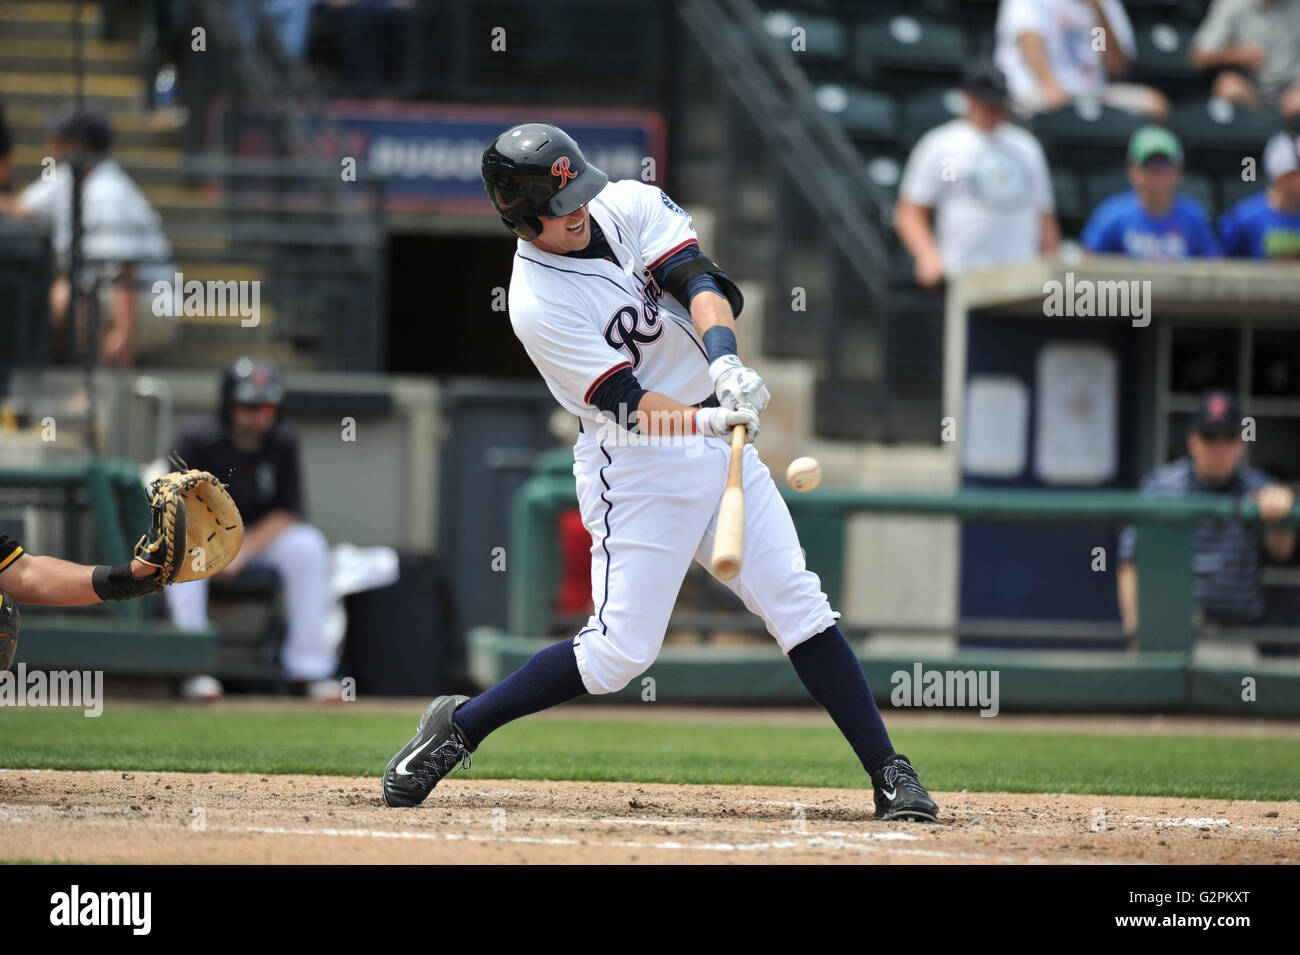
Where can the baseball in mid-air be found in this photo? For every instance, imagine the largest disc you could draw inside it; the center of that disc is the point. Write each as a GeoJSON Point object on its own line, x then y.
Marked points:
{"type": "Point", "coordinates": [804, 474]}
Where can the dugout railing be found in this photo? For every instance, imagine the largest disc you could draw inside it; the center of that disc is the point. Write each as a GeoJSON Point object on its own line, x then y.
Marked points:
{"type": "Point", "coordinates": [1155, 669]}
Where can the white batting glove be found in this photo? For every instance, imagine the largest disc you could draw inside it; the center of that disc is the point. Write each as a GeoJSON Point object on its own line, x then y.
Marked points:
{"type": "Point", "coordinates": [737, 385]}
{"type": "Point", "coordinates": [718, 422]}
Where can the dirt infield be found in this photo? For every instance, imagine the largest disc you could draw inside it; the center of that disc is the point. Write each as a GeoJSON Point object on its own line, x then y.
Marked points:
{"type": "Point", "coordinates": [56, 816]}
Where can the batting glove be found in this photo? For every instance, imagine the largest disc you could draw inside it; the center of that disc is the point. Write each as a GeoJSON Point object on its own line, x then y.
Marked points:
{"type": "Point", "coordinates": [718, 422]}
{"type": "Point", "coordinates": [737, 385]}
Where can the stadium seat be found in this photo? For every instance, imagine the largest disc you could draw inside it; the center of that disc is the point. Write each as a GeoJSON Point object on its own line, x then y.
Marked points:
{"type": "Point", "coordinates": [908, 44]}
{"type": "Point", "coordinates": [1232, 189]}
{"type": "Point", "coordinates": [824, 38]}
{"type": "Point", "coordinates": [886, 172]}
{"type": "Point", "coordinates": [1215, 125]}
{"type": "Point", "coordinates": [1071, 203]}
{"type": "Point", "coordinates": [1162, 56]}
{"type": "Point", "coordinates": [1100, 186]}
{"type": "Point", "coordinates": [1086, 122]}
{"type": "Point", "coordinates": [924, 111]}
{"type": "Point", "coordinates": [1201, 188]}
{"type": "Point", "coordinates": [866, 115]}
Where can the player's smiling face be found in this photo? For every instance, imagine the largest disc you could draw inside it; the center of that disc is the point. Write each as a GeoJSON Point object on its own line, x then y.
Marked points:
{"type": "Point", "coordinates": [569, 233]}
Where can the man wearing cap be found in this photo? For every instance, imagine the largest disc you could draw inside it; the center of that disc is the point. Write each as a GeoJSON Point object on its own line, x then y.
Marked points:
{"type": "Point", "coordinates": [257, 457]}
{"type": "Point", "coordinates": [1267, 224]}
{"type": "Point", "coordinates": [985, 183]}
{"type": "Point", "coordinates": [1153, 220]}
{"type": "Point", "coordinates": [1226, 559]}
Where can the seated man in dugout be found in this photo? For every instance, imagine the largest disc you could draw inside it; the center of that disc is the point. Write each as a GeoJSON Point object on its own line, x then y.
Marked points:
{"type": "Point", "coordinates": [1227, 554]}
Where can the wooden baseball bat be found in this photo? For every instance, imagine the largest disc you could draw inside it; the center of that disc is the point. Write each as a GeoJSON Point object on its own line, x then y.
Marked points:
{"type": "Point", "coordinates": [729, 541]}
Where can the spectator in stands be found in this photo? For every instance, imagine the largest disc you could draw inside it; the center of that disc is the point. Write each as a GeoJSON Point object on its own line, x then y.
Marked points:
{"type": "Point", "coordinates": [1255, 46]}
{"type": "Point", "coordinates": [1227, 555]}
{"type": "Point", "coordinates": [289, 20]}
{"type": "Point", "coordinates": [1267, 224]}
{"type": "Point", "coordinates": [984, 180]}
{"type": "Point", "coordinates": [120, 231]}
{"type": "Point", "coordinates": [1054, 51]}
{"type": "Point", "coordinates": [1153, 220]}
{"type": "Point", "coordinates": [258, 458]}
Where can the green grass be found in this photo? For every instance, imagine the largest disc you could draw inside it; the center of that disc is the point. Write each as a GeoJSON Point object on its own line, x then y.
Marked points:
{"type": "Point", "coordinates": [338, 742]}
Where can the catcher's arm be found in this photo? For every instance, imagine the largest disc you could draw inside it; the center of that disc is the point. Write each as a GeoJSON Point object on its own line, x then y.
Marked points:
{"type": "Point", "coordinates": [51, 582]}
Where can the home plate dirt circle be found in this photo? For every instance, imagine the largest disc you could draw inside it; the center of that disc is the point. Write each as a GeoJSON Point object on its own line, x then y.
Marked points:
{"type": "Point", "coordinates": [132, 817]}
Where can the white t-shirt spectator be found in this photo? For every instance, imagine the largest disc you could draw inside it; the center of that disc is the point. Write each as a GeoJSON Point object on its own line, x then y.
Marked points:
{"type": "Point", "coordinates": [119, 225]}
{"type": "Point", "coordinates": [1067, 28]}
{"type": "Point", "coordinates": [988, 191]}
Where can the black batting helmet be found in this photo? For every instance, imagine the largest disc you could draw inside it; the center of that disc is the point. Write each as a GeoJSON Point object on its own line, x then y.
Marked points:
{"type": "Point", "coordinates": [250, 381]}
{"type": "Point", "coordinates": [537, 170]}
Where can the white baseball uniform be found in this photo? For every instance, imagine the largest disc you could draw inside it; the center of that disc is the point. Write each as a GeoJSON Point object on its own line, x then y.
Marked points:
{"type": "Point", "coordinates": [650, 503]}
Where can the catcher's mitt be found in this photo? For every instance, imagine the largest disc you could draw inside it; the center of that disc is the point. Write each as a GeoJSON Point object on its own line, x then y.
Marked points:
{"type": "Point", "coordinates": [196, 528]}
{"type": "Point", "coordinates": [10, 623]}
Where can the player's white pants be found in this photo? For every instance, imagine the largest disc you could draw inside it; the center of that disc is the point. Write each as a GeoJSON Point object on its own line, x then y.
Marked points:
{"type": "Point", "coordinates": [651, 510]}
{"type": "Point", "coordinates": [301, 555]}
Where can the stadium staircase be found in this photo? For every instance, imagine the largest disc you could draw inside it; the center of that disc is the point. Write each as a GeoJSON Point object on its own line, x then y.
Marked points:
{"type": "Point", "coordinates": [226, 219]}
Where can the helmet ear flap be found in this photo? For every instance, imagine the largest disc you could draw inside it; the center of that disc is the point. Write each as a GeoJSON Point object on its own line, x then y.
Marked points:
{"type": "Point", "coordinates": [527, 228]}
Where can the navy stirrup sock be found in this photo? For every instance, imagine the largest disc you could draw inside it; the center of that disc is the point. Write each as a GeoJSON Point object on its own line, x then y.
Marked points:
{"type": "Point", "coordinates": [834, 678]}
{"type": "Point", "coordinates": [550, 678]}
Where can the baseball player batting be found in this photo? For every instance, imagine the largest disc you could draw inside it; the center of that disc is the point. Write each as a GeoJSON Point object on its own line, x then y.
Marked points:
{"type": "Point", "coordinates": [633, 329]}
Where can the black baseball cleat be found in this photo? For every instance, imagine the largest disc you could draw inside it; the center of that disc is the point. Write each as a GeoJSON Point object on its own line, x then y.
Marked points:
{"type": "Point", "coordinates": [899, 793]}
{"type": "Point", "coordinates": [434, 751]}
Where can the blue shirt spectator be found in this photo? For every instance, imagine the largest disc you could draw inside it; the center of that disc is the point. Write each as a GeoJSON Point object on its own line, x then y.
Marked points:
{"type": "Point", "coordinates": [1153, 220]}
{"type": "Point", "coordinates": [1121, 226]}
{"type": "Point", "coordinates": [1267, 224]}
{"type": "Point", "coordinates": [1253, 229]}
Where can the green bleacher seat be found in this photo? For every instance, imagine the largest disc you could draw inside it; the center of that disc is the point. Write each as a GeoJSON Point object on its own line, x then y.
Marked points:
{"type": "Point", "coordinates": [1232, 189]}
{"type": "Point", "coordinates": [926, 110]}
{"type": "Point", "coordinates": [910, 44]}
{"type": "Point", "coordinates": [1086, 123]}
{"type": "Point", "coordinates": [864, 114]}
{"type": "Point", "coordinates": [1100, 186]}
{"type": "Point", "coordinates": [886, 172]}
{"type": "Point", "coordinates": [1071, 203]}
{"type": "Point", "coordinates": [824, 38]}
{"type": "Point", "coordinates": [1217, 125]}
{"type": "Point", "coordinates": [940, 9]}
{"type": "Point", "coordinates": [1201, 188]}
{"type": "Point", "coordinates": [1162, 50]}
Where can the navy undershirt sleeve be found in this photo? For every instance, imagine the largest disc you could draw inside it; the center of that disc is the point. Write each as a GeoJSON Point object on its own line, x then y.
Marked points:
{"type": "Point", "coordinates": [618, 396]}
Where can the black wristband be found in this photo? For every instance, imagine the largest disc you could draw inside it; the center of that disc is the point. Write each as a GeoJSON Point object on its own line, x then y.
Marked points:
{"type": "Point", "coordinates": [118, 583]}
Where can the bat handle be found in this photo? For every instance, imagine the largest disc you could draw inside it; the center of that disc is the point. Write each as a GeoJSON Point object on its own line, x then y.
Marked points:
{"type": "Point", "coordinates": [729, 539]}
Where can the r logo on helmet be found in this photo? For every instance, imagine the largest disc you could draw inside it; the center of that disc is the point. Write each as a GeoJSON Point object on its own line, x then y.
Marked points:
{"type": "Point", "coordinates": [561, 168]}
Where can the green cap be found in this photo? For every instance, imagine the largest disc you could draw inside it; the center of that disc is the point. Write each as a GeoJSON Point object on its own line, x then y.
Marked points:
{"type": "Point", "coordinates": [1154, 141]}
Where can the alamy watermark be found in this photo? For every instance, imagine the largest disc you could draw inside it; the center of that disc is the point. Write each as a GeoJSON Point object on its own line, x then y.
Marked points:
{"type": "Point", "coordinates": [945, 688]}
{"type": "Point", "coordinates": [1085, 298]}
{"type": "Point", "coordinates": [130, 909]}
{"type": "Point", "coordinates": [211, 299]}
{"type": "Point", "coordinates": [77, 689]}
